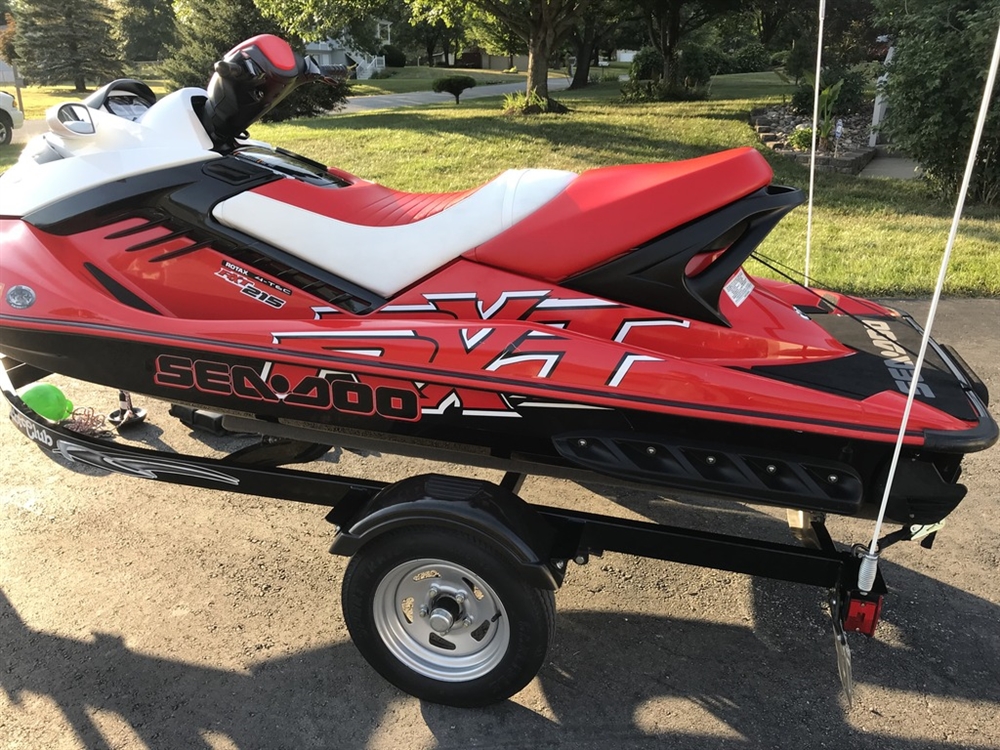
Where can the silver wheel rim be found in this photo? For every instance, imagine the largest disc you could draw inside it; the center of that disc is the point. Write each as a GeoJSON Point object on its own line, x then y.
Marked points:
{"type": "Point", "coordinates": [471, 647]}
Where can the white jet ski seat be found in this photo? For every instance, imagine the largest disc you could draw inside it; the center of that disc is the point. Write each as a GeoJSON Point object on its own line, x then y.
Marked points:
{"type": "Point", "coordinates": [382, 239]}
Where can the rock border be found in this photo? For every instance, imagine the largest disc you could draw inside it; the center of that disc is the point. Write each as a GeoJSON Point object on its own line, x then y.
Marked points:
{"type": "Point", "coordinates": [846, 162]}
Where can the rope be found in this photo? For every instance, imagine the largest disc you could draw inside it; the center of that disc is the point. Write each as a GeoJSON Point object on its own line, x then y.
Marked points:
{"type": "Point", "coordinates": [815, 133]}
{"type": "Point", "coordinates": [869, 563]}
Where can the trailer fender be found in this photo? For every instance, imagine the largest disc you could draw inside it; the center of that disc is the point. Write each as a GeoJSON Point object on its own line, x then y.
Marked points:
{"type": "Point", "coordinates": [479, 507]}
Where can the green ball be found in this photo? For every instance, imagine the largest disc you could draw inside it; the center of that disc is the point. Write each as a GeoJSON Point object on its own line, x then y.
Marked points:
{"type": "Point", "coordinates": [48, 401]}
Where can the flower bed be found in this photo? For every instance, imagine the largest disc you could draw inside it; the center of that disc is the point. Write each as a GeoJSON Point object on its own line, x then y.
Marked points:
{"type": "Point", "coordinates": [774, 125]}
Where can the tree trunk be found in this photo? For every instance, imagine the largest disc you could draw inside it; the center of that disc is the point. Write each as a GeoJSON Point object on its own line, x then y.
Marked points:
{"type": "Point", "coordinates": [670, 71]}
{"type": "Point", "coordinates": [429, 49]}
{"type": "Point", "coordinates": [584, 52]}
{"type": "Point", "coordinates": [81, 85]}
{"type": "Point", "coordinates": [538, 68]}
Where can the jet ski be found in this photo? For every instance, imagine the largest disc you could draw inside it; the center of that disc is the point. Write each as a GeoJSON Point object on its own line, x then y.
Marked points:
{"type": "Point", "coordinates": [599, 322]}
{"type": "Point", "coordinates": [596, 326]}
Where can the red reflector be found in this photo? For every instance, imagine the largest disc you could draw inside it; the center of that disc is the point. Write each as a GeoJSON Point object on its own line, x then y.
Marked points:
{"type": "Point", "coordinates": [862, 615]}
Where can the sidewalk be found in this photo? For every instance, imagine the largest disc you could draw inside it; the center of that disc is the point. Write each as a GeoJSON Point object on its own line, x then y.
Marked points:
{"type": "Point", "coordinates": [898, 167]}
{"type": "Point", "coordinates": [416, 98]}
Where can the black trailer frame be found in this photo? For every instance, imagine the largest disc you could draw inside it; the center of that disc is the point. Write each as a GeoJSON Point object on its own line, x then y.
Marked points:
{"type": "Point", "coordinates": [540, 539]}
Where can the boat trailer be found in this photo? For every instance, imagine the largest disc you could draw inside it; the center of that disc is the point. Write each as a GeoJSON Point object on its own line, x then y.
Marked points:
{"type": "Point", "coordinates": [443, 566]}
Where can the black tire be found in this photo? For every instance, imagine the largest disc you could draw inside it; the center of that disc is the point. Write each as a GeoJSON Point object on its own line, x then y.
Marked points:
{"type": "Point", "coordinates": [6, 129]}
{"type": "Point", "coordinates": [514, 621]}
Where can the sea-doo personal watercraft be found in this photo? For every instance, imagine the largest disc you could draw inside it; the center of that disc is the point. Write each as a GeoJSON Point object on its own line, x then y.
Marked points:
{"type": "Point", "coordinates": [582, 325]}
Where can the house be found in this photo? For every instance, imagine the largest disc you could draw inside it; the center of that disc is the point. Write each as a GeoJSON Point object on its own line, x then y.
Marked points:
{"type": "Point", "coordinates": [339, 51]}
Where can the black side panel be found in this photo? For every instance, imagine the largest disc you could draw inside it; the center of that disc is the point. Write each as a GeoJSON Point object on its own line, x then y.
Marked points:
{"type": "Point", "coordinates": [190, 190]}
{"type": "Point", "coordinates": [654, 276]}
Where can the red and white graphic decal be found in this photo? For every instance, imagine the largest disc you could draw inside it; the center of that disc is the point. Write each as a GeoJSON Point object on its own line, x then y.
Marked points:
{"type": "Point", "coordinates": [513, 304]}
{"type": "Point", "coordinates": [438, 399]}
{"type": "Point", "coordinates": [471, 339]}
{"type": "Point", "coordinates": [627, 325]}
{"type": "Point", "coordinates": [625, 365]}
{"type": "Point", "coordinates": [364, 343]}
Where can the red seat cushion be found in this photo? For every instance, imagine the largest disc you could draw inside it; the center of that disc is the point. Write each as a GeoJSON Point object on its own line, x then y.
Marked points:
{"type": "Point", "coordinates": [609, 211]}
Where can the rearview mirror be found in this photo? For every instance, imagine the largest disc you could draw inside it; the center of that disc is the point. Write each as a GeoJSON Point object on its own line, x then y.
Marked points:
{"type": "Point", "coordinates": [70, 120]}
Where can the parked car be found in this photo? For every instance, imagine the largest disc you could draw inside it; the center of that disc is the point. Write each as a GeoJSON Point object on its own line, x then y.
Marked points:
{"type": "Point", "coordinates": [10, 117]}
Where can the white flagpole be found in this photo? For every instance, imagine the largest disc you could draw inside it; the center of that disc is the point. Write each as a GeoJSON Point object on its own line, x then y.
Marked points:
{"type": "Point", "coordinates": [815, 133]}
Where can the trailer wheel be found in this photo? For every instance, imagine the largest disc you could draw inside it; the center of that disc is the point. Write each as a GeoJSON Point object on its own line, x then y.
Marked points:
{"type": "Point", "coordinates": [445, 616]}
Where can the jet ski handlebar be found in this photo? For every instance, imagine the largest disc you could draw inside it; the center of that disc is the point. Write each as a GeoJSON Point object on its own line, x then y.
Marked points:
{"type": "Point", "coordinates": [252, 78]}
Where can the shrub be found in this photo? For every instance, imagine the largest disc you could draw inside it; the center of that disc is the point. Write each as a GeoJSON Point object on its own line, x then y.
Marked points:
{"type": "Point", "coordinates": [310, 100]}
{"type": "Point", "coordinates": [454, 85]}
{"type": "Point", "coordinates": [647, 65]}
{"type": "Point", "coordinates": [646, 84]}
{"type": "Point", "coordinates": [751, 58]}
{"type": "Point", "coordinates": [523, 103]}
{"type": "Point", "coordinates": [394, 57]}
{"type": "Point", "coordinates": [935, 89]}
{"type": "Point", "coordinates": [695, 66]}
{"type": "Point", "coordinates": [660, 91]}
{"type": "Point", "coordinates": [852, 96]}
{"type": "Point", "coordinates": [801, 139]}
{"type": "Point", "coordinates": [801, 58]}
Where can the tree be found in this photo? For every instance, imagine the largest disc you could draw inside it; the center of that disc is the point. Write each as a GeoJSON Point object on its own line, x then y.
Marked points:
{"type": "Point", "coordinates": [314, 20]}
{"type": "Point", "coordinates": [935, 88]}
{"type": "Point", "coordinates": [543, 24]}
{"type": "Point", "coordinates": [8, 53]}
{"type": "Point", "coordinates": [144, 28]}
{"type": "Point", "coordinates": [65, 40]}
{"type": "Point", "coordinates": [772, 18]}
{"type": "Point", "coordinates": [208, 30]}
{"type": "Point", "coordinates": [493, 37]}
{"type": "Point", "coordinates": [597, 22]}
{"type": "Point", "coordinates": [670, 21]}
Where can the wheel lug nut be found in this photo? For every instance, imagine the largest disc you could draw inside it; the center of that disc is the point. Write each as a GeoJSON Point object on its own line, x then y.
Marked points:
{"type": "Point", "coordinates": [459, 598]}
{"type": "Point", "coordinates": [467, 621]}
{"type": "Point", "coordinates": [423, 611]}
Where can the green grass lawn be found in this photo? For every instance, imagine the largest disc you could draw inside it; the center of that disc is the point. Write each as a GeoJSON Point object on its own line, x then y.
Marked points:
{"type": "Point", "coordinates": [871, 237]}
